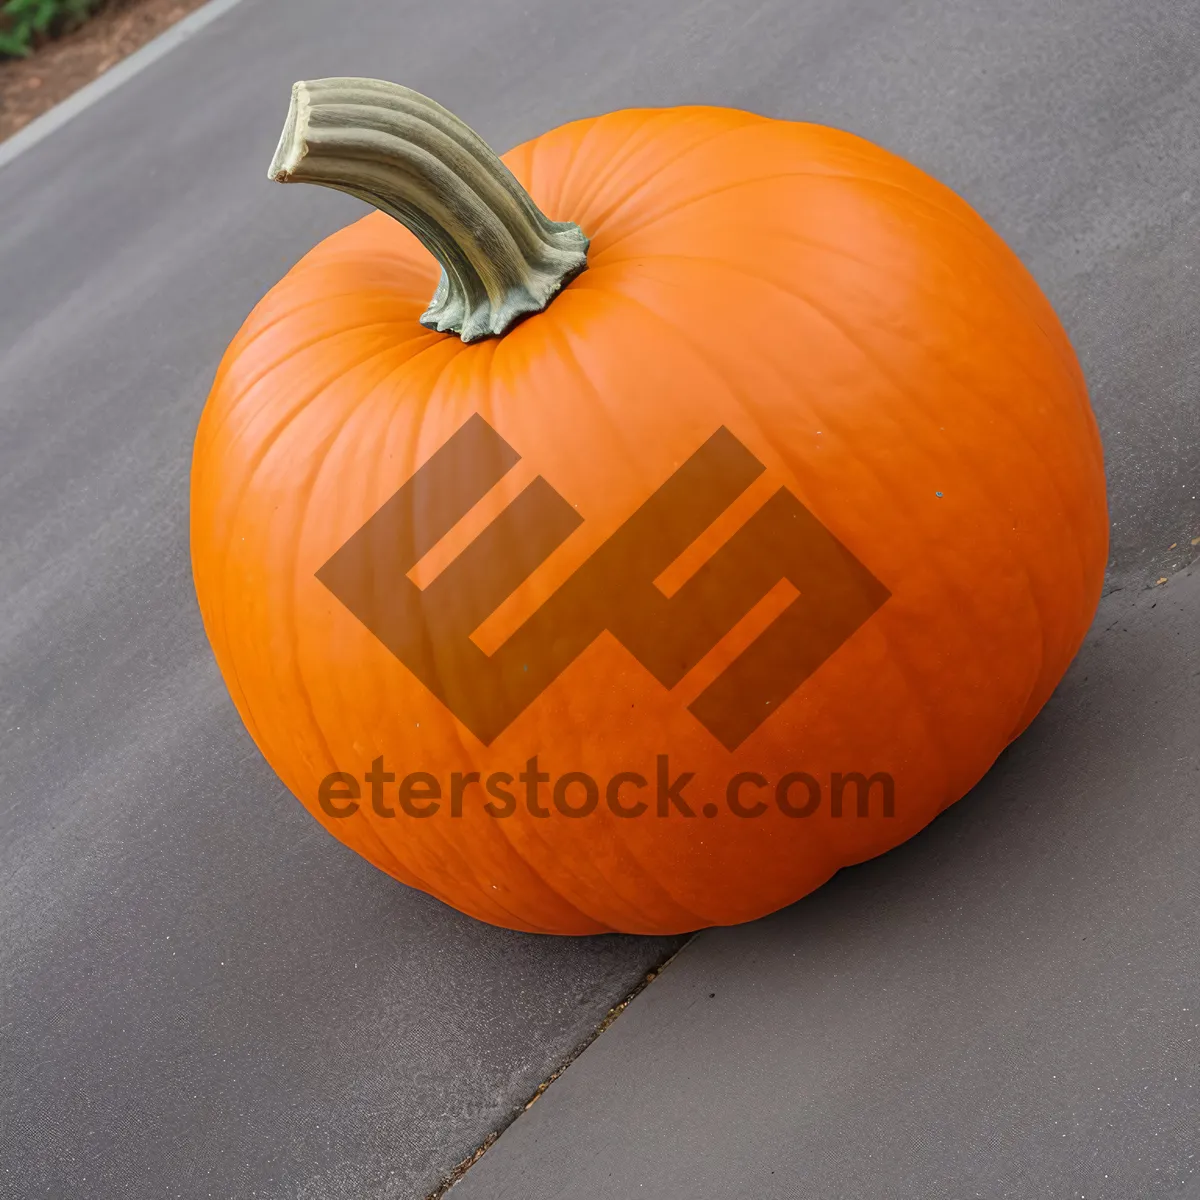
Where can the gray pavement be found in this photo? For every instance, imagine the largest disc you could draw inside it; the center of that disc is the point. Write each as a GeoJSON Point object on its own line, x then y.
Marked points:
{"type": "Point", "coordinates": [1005, 1007]}
{"type": "Point", "coordinates": [204, 995]}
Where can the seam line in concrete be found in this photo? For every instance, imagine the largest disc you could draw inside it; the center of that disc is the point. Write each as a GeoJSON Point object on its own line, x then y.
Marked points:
{"type": "Point", "coordinates": [458, 1173]}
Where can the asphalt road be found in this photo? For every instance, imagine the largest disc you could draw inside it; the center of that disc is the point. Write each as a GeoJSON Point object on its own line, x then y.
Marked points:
{"type": "Point", "coordinates": [204, 995]}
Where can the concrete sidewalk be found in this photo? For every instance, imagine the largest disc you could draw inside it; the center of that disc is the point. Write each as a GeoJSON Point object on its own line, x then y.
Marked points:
{"type": "Point", "coordinates": [205, 995]}
{"type": "Point", "coordinates": [1006, 1007]}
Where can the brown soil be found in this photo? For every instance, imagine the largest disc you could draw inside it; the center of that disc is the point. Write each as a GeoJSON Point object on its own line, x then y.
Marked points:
{"type": "Point", "coordinates": [29, 86]}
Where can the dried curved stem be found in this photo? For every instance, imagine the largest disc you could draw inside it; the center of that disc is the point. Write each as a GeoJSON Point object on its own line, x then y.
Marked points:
{"type": "Point", "coordinates": [501, 256]}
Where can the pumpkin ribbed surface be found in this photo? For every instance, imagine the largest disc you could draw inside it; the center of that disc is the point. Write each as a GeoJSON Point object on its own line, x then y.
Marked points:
{"type": "Point", "coordinates": [856, 327]}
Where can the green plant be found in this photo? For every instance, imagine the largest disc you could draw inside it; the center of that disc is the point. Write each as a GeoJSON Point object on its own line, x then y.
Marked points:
{"type": "Point", "coordinates": [24, 22]}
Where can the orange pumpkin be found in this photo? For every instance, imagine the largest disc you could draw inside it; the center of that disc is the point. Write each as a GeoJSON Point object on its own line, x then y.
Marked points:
{"type": "Point", "coordinates": [713, 532]}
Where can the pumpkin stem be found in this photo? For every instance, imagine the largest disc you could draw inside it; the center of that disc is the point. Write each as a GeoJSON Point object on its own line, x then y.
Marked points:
{"type": "Point", "coordinates": [501, 256]}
